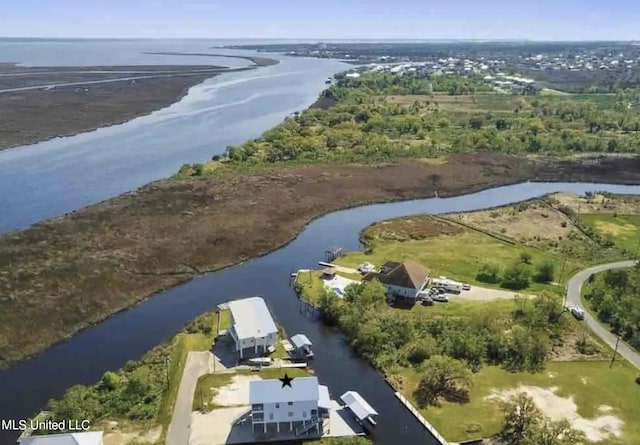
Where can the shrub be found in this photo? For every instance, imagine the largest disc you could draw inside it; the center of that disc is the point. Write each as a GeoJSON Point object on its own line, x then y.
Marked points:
{"type": "Point", "coordinates": [545, 272]}
{"type": "Point", "coordinates": [525, 257]}
{"type": "Point", "coordinates": [489, 273]}
{"type": "Point", "coordinates": [516, 277]}
{"type": "Point", "coordinates": [638, 379]}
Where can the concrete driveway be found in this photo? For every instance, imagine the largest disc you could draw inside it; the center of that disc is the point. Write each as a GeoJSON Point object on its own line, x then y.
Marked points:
{"type": "Point", "coordinates": [198, 364]}
{"type": "Point", "coordinates": [573, 299]}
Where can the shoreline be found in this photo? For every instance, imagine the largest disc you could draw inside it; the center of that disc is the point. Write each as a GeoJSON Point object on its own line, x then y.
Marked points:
{"type": "Point", "coordinates": [112, 123]}
{"type": "Point", "coordinates": [167, 85]}
{"type": "Point", "coordinates": [178, 270]}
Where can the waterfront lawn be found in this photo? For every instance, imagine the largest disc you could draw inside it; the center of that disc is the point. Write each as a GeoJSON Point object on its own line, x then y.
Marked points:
{"type": "Point", "coordinates": [310, 286]}
{"type": "Point", "coordinates": [459, 257]}
{"type": "Point", "coordinates": [624, 230]}
{"type": "Point", "coordinates": [591, 384]}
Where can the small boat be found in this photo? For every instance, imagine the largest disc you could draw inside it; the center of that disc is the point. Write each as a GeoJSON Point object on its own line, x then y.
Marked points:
{"type": "Point", "coordinates": [260, 361]}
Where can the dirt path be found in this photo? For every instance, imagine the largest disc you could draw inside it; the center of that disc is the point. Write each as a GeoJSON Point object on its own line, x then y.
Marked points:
{"type": "Point", "coordinates": [477, 293]}
{"type": "Point", "coordinates": [198, 364]}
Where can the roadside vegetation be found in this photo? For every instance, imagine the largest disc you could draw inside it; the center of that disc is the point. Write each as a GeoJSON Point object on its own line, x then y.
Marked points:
{"type": "Point", "coordinates": [142, 394]}
{"type": "Point", "coordinates": [614, 296]}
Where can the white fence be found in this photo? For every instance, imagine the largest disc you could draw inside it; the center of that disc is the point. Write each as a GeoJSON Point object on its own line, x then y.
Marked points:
{"type": "Point", "coordinates": [421, 419]}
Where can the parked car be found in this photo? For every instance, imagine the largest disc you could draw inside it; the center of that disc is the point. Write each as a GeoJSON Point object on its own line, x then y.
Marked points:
{"type": "Point", "coordinates": [577, 312]}
{"type": "Point", "coordinates": [442, 298]}
{"type": "Point", "coordinates": [427, 301]}
{"type": "Point", "coordinates": [466, 287]}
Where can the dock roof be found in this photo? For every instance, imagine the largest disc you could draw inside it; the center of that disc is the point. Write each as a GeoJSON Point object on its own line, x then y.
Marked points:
{"type": "Point", "coordinates": [251, 318]}
{"type": "Point", "coordinates": [358, 405]}
{"type": "Point", "coordinates": [300, 340]}
{"type": "Point", "coordinates": [302, 389]}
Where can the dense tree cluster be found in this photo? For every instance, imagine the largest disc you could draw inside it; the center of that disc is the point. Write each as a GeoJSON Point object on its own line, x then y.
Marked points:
{"type": "Point", "coordinates": [520, 340]}
{"type": "Point", "coordinates": [363, 126]}
{"type": "Point", "coordinates": [615, 296]}
{"type": "Point", "coordinates": [518, 275]}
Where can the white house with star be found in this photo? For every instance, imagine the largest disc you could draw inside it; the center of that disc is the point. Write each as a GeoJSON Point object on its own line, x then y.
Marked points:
{"type": "Point", "coordinates": [299, 405]}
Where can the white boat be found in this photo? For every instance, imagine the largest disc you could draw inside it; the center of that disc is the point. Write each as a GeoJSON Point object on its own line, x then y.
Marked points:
{"type": "Point", "coordinates": [260, 361]}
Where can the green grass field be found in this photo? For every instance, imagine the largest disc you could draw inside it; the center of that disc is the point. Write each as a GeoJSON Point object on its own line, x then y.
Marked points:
{"type": "Point", "coordinates": [311, 286]}
{"type": "Point", "coordinates": [624, 230]}
{"type": "Point", "coordinates": [591, 384]}
{"type": "Point", "coordinates": [458, 257]}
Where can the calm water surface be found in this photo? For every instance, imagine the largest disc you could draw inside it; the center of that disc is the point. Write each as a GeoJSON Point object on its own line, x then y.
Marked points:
{"type": "Point", "coordinates": [26, 387]}
{"type": "Point", "coordinates": [55, 177]}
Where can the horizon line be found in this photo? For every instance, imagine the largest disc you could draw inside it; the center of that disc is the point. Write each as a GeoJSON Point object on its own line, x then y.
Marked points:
{"type": "Point", "coordinates": [333, 39]}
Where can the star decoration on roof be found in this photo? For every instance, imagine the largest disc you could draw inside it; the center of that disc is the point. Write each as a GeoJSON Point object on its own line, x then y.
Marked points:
{"type": "Point", "coordinates": [286, 380]}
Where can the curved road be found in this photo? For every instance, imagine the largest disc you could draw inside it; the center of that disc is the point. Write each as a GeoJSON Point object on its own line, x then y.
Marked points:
{"type": "Point", "coordinates": [573, 299]}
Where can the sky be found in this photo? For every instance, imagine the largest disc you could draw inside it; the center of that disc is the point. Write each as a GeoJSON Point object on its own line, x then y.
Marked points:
{"type": "Point", "coordinates": [324, 19]}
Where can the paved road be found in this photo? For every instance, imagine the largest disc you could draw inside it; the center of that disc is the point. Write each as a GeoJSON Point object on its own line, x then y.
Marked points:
{"type": "Point", "coordinates": [573, 299]}
{"type": "Point", "coordinates": [198, 364]}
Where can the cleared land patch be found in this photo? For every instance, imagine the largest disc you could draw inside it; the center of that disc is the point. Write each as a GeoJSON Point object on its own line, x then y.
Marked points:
{"type": "Point", "coordinates": [464, 103]}
{"type": "Point", "coordinates": [556, 408]}
{"type": "Point", "coordinates": [579, 389]}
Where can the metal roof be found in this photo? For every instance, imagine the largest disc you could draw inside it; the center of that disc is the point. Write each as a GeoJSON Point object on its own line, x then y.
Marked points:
{"type": "Point", "coordinates": [85, 438]}
{"type": "Point", "coordinates": [251, 318]}
{"type": "Point", "coordinates": [324, 401]}
{"type": "Point", "coordinates": [300, 340]}
{"type": "Point", "coordinates": [302, 389]}
{"type": "Point", "coordinates": [358, 405]}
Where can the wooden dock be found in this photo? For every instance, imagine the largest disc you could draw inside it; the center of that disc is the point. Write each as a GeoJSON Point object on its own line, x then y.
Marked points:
{"type": "Point", "coordinates": [441, 440]}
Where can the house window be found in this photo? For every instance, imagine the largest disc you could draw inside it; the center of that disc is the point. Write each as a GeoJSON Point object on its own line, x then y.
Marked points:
{"type": "Point", "coordinates": [290, 413]}
{"type": "Point", "coordinates": [270, 416]}
{"type": "Point", "coordinates": [314, 413]}
{"type": "Point", "coordinates": [258, 417]}
{"type": "Point", "coordinates": [304, 414]}
{"type": "Point", "coordinates": [257, 407]}
{"type": "Point", "coordinates": [277, 405]}
{"type": "Point", "coordinates": [289, 403]}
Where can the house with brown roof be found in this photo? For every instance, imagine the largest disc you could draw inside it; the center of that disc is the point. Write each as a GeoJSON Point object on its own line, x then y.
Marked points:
{"type": "Point", "coordinates": [404, 279]}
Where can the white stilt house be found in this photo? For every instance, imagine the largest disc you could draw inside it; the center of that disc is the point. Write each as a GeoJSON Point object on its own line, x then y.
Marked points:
{"type": "Point", "coordinates": [302, 408]}
{"type": "Point", "coordinates": [252, 325]}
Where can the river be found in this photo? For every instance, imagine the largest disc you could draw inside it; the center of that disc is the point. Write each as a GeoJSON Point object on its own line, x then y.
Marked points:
{"type": "Point", "coordinates": [26, 387]}
{"type": "Point", "coordinates": [55, 177]}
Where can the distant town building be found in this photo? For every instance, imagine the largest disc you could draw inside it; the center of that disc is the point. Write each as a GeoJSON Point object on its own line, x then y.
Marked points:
{"type": "Point", "coordinates": [404, 279]}
{"type": "Point", "coordinates": [252, 325]}
{"type": "Point", "coordinates": [303, 407]}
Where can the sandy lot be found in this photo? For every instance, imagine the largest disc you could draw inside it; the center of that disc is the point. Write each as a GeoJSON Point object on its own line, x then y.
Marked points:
{"type": "Point", "coordinates": [338, 282]}
{"type": "Point", "coordinates": [598, 429]}
{"type": "Point", "coordinates": [478, 293]}
{"type": "Point", "coordinates": [213, 427]}
{"type": "Point", "coordinates": [236, 393]}
{"type": "Point", "coordinates": [624, 205]}
{"type": "Point", "coordinates": [538, 222]}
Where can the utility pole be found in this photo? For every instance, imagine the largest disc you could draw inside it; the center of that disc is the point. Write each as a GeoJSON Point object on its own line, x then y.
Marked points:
{"type": "Point", "coordinates": [167, 361]}
{"type": "Point", "coordinates": [615, 351]}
